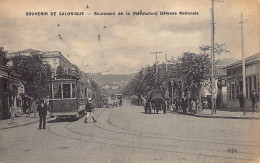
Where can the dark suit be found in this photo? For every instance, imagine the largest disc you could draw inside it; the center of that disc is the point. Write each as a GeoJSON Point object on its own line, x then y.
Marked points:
{"type": "Point", "coordinates": [42, 114]}
{"type": "Point", "coordinates": [89, 107]}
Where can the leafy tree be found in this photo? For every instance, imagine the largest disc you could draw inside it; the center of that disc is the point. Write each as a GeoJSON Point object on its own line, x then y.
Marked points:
{"type": "Point", "coordinates": [192, 70]}
{"type": "Point", "coordinates": [94, 85]}
{"type": "Point", "coordinates": [34, 73]}
{"type": "Point", "coordinates": [3, 59]}
{"type": "Point", "coordinates": [219, 49]}
{"type": "Point", "coordinates": [187, 73]}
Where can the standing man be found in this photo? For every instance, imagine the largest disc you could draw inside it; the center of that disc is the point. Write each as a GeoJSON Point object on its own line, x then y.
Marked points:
{"type": "Point", "coordinates": [184, 104]}
{"type": "Point", "coordinates": [89, 109]}
{"type": "Point", "coordinates": [120, 101]}
{"type": "Point", "coordinates": [254, 100]}
{"type": "Point", "coordinates": [42, 109]}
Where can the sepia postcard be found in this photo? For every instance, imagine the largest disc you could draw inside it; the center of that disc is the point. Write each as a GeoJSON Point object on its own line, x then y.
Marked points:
{"type": "Point", "coordinates": [130, 81]}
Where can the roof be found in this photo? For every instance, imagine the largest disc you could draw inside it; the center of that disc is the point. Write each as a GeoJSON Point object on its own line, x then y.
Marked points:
{"type": "Point", "coordinates": [28, 51]}
{"type": "Point", "coordinates": [249, 60]}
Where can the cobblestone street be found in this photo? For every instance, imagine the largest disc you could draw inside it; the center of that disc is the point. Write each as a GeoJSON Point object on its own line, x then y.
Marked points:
{"type": "Point", "coordinates": [128, 135]}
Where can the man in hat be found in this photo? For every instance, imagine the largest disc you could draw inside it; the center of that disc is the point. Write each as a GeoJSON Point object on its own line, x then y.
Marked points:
{"type": "Point", "coordinates": [89, 109]}
{"type": "Point", "coordinates": [42, 109]}
{"type": "Point", "coordinates": [254, 100]}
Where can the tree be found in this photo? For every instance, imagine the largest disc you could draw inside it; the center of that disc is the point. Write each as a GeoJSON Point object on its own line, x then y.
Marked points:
{"type": "Point", "coordinates": [3, 59]}
{"type": "Point", "coordinates": [187, 73]}
{"type": "Point", "coordinates": [34, 73]}
{"type": "Point", "coordinates": [219, 49]}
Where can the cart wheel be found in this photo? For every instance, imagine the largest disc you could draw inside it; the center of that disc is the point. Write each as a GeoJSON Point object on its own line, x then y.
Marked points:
{"type": "Point", "coordinates": [164, 110]}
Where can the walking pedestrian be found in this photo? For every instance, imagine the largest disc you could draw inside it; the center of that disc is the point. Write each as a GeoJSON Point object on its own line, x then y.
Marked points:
{"type": "Point", "coordinates": [254, 100]}
{"type": "Point", "coordinates": [42, 109]}
{"type": "Point", "coordinates": [89, 109]}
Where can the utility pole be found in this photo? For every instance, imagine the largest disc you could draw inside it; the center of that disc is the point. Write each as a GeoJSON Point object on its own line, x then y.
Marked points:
{"type": "Point", "coordinates": [243, 65]}
{"type": "Point", "coordinates": [156, 68]}
{"type": "Point", "coordinates": [166, 62]}
{"type": "Point", "coordinates": [212, 61]}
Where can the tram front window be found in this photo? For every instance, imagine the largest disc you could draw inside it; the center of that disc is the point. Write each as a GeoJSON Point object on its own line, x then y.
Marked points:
{"type": "Point", "coordinates": [73, 91]}
{"type": "Point", "coordinates": [66, 91]}
{"type": "Point", "coordinates": [57, 91]}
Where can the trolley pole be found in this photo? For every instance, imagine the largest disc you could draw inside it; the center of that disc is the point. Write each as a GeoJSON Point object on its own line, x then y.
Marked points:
{"type": "Point", "coordinates": [243, 65]}
{"type": "Point", "coordinates": [156, 68]}
{"type": "Point", "coordinates": [166, 64]}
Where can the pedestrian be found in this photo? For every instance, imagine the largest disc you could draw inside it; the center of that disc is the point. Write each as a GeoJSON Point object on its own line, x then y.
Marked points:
{"type": "Point", "coordinates": [184, 104]}
{"type": "Point", "coordinates": [42, 109]}
{"type": "Point", "coordinates": [193, 106]}
{"type": "Point", "coordinates": [25, 106]}
{"type": "Point", "coordinates": [33, 108]}
{"type": "Point", "coordinates": [177, 104]}
{"type": "Point", "coordinates": [254, 100]}
{"type": "Point", "coordinates": [198, 106]}
{"type": "Point", "coordinates": [28, 108]}
{"type": "Point", "coordinates": [12, 110]}
{"type": "Point", "coordinates": [89, 108]}
{"type": "Point", "coordinates": [120, 102]}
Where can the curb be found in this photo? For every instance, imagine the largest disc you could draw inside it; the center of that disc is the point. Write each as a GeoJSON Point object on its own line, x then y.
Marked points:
{"type": "Point", "coordinates": [223, 117]}
{"type": "Point", "coordinates": [25, 124]}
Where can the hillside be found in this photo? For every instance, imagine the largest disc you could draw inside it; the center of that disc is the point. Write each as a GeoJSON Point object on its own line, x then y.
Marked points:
{"type": "Point", "coordinates": [112, 79]}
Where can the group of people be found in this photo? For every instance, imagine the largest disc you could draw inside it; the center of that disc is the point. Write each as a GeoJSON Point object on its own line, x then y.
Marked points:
{"type": "Point", "coordinates": [185, 103]}
{"type": "Point", "coordinates": [42, 109]}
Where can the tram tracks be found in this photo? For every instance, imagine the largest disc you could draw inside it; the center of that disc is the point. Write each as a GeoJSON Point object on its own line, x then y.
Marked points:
{"type": "Point", "coordinates": [178, 138]}
{"type": "Point", "coordinates": [95, 139]}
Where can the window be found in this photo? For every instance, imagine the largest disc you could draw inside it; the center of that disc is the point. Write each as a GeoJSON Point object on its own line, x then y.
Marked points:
{"type": "Point", "coordinates": [249, 86]}
{"type": "Point", "coordinates": [224, 82]}
{"type": "Point", "coordinates": [73, 91]}
{"type": "Point", "coordinates": [57, 91]}
{"type": "Point", "coordinates": [50, 91]}
{"type": "Point", "coordinates": [246, 88]}
{"type": "Point", "coordinates": [254, 82]}
{"type": "Point", "coordinates": [66, 91]}
{"type": "Point", "coordinates": [233, 91]}
{"type": "Point", "coordinates": [229, 90]}
{"type": "Point", "coordinates": [258, 84]}
{"type": "Point", "coordinates": [237, 91]}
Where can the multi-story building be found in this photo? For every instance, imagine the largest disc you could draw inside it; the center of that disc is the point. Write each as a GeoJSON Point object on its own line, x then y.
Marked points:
{"type": "Point", "coordinates": [58, 63]}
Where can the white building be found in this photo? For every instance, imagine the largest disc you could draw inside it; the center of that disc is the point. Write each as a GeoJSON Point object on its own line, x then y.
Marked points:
{"type": "Point", "coordinates": [54, 58]}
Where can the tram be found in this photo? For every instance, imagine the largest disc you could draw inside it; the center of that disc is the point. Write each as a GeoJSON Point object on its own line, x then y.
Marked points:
{"type": "Point", "coordinates": [68, 95]}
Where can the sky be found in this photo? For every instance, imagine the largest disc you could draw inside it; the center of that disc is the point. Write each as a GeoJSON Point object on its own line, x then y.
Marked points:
{"type": "Point", "coordinates": [126, 41]}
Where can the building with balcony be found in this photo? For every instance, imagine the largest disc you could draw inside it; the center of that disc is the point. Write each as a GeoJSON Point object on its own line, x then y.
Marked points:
{"type": "Point", "coordinates": [58, 63]}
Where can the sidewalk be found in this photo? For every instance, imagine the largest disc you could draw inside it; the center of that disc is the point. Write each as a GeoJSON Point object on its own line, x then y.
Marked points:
{"type": "Point", "coordinates": [21, 120]}
{"type": "Point", "coordinates": [206, 113]}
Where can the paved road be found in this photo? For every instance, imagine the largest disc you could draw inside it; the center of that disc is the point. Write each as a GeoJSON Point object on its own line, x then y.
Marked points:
{"type": "Point", "coordinates": [128, 135]}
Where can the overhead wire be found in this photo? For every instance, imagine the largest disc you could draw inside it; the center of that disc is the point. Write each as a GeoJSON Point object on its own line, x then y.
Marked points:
{"type": "Point", "coordinates": [64, 42]}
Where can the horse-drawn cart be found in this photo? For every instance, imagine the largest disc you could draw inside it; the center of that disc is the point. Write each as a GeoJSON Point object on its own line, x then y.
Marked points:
{"type": "Point", "coordinates": [134, 100]}
{"type": "Point", "coordinates": [155, 102]}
